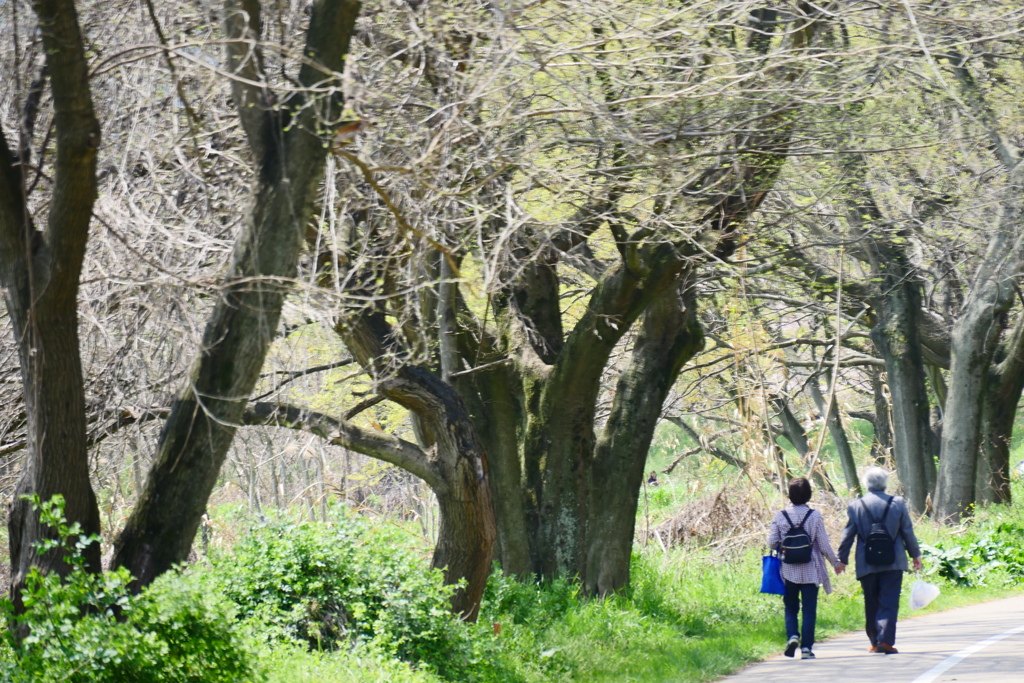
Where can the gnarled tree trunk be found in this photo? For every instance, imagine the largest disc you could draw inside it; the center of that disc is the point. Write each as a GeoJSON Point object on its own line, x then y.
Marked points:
{"type": "Point", "coordinates": [290, 142]}
{"type": "Point", "coordinates": [670, 335]}
{"type": "Point", "coordinates": [457, 459]}
{"type": "Point", "coordinates": [560, 440]}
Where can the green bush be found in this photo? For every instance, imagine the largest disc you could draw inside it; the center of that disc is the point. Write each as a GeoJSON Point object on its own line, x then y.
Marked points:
{"type": "Point", "coordinates": [338, 585]}
{"type": "Point", "coordinates": [964, 564]}
{"type": "Point", "coordinates": [993, 541]}
{"type": "Point", "coordinates": [89, 628]}
{"type": "Point", "coordinates": [521, 602]}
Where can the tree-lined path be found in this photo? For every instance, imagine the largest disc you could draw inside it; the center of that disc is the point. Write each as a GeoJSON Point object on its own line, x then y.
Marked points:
{"type": "Point", "coordinates": [978, 644]}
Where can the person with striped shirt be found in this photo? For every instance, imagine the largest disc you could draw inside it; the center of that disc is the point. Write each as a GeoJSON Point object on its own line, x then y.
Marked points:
{"type": "Point", "coordinates": [802, 580]}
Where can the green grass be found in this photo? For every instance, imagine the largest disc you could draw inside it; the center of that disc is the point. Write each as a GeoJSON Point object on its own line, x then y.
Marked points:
{"type": "Point", "coordinates": [295, 665]}
{"type": "Point", "coordinates": [695, 616]}
{"type": "Point", "coordinates": [689, 617]}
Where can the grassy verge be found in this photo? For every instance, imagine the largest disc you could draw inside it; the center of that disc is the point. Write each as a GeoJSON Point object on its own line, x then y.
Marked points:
{"type": "Point", "coordinates": [689, 618]}
{"type": "Point", "coordinates": [310, 602]}
{"type": "Point", "coordinates": [296, 665]}
{"type": "Point", "coordinates": [694, 616]}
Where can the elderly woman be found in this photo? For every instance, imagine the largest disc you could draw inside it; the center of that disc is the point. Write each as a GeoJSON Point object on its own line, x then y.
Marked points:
{"type": "Point", "coordinates": [882, 583]}
{"type": "Point", "coordinates": [802, 580]}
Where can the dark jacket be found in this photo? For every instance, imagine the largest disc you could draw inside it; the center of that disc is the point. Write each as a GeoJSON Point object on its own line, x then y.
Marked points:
{"type": "Point", "coordinates": [898, 523]}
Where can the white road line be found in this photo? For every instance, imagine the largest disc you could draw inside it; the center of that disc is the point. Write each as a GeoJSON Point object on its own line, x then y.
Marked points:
{"type": "Point", "coordinates": [951, 661]}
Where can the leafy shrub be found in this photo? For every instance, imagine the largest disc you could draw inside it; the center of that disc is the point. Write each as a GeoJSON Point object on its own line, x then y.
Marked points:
{"type": "Point", "coordinates": [963, 564]}
{"type": "Point", "coordinates": [520, 602]}
{"type": "Point", "coordinates": [337, 585]}
{"type": "Point", "coordinates": [995, 542]}
{"type": "Point", "coordinates": [171, 632]}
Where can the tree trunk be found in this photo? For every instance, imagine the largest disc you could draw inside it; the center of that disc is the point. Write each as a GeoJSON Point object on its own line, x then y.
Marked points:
{"type": "Point", "coordinates": [458, 461]}
{"type": "Point", "coordinates": [204, 417]}
{"type": "Point", "coordinates": [838, 434]}
{"type": "Point", "coordinates": [57, 460]}
{"type": "Point", "coordinates": [466, 533]}
{"type": "Point", "coordinates": [881, 441]}
{"type": "Point", "coordinates": [992, 478]}
{"type": "Point", "coordinates": [560, 439]}
{"type": "Point", "coordinates": [670, 335]}
{"type": "Point", "coordinates": [974, 342]}
{"type": "Point", "coordinates": [998, 411]}
{"type": "Point", "coordinates": [895, 335]}
{"type": "Point", "coordinates": [494, 398]}
{"type": "Point", "coordinates": [39, 271]}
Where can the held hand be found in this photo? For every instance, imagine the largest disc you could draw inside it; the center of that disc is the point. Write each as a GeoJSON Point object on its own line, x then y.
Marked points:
{"type": "Point", "coordinates": [917, 564]}
{"type": "Point", "coordinates": [840, 568]}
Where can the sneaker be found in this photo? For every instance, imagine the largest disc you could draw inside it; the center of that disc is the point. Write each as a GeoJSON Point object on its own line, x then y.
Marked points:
{"type": "Point", "coordinates": [791, 646]}
{"type": "Point", "coordinates": [805, 653]}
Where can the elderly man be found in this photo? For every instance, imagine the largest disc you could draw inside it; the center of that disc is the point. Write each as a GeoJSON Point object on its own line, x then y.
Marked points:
{"type": "Point", "coordinates": [877, 520]}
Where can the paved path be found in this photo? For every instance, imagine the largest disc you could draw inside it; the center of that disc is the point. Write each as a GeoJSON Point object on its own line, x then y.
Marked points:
{"type": "Point", "coordinates": [978, 644]}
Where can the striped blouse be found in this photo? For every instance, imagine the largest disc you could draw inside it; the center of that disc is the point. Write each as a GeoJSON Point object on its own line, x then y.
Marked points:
{"type": "Point", "coordinates": [813, 571]}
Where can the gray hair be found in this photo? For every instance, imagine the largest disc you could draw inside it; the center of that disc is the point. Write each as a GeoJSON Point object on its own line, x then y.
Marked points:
{"type": "Point", "coordinates": [875, 479]}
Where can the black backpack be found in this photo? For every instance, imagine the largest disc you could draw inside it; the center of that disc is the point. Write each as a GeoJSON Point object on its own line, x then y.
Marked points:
{"type": "Point", "coordinates": [879, 547]}
{"type": "Point", "coordinates": [796, 544]}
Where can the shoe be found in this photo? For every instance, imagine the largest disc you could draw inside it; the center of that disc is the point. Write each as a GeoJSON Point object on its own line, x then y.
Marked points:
{"type": "Point", "coordinates": [886, 648]}
{"type": "Point", "coordinates": [805, 653]}
{"type": "Point", "coordinates": [874, 648]}
{"type": "Point", "coordinates": [791, 646]}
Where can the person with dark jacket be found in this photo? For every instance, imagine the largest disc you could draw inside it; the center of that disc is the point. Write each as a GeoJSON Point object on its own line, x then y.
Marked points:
{"type": "Point", "coordinates": [882, 584]}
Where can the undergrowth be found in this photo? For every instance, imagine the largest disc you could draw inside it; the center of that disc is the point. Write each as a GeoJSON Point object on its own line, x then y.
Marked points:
{"type": "Point", "coordinates": [299, 602]}
{"type": "Point", "coordinates": [89, 628]}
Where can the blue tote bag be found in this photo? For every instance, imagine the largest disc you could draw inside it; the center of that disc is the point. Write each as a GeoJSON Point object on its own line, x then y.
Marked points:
{"type": "Point", "coordinates": [771, 575]}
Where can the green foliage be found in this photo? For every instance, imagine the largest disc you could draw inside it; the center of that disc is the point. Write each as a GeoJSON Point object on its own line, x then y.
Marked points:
{"type": "Point", "coordinates": [290, 664]}
{"type": "Point", "coordinates": [372, 613]}
{"type": "Point", "coordinates": [520, 602]}
{"type": "Point", "coordinates": [88, 627]}
{"type": "Point", "coordinates": [994, 541]}
{"type": "Point", "coordinates": [687, 617]}
{"type": "Point", "coordinates": [964, 564]}
{"type": "Point", "coordinates": [336, 585]}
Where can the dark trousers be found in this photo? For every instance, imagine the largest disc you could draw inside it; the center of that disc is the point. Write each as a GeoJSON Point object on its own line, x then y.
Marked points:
{"type": "Point", "coordinates": [808, 592]}
{"type": "Point", "coordinates": [882, 605]}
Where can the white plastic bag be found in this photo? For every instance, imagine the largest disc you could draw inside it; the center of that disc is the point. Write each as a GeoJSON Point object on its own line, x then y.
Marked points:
{"type": "Point", "coordinates": [922, 593]}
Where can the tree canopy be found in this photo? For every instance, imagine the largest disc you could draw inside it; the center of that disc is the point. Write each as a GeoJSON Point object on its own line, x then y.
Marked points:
{"type": "Point", "coordinates": [495, 245]}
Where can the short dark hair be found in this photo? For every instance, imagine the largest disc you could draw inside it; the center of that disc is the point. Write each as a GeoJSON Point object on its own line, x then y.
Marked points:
{"type": "Point", "coordinates": [799, 491]}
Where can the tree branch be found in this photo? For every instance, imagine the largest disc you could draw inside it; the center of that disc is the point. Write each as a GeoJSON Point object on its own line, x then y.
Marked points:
{"type": "Point", "coordinates": [253, 104]}
{"type": "Point", "coordinates": [372, 443]}
{"type": "Point", "coordinates": [296, 374]}
{"type": "Point", "coordinates": [707, 447]}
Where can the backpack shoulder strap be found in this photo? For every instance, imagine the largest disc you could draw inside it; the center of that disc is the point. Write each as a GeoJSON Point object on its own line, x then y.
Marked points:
{"type": "Point", "coordinates": [809, 513]}
{"type": "Point", "coordinates": [868, 511]}
{"type": "Point", "coordinates": [787, 518]}
{"type": "Point", "coordinates": [887, 506]}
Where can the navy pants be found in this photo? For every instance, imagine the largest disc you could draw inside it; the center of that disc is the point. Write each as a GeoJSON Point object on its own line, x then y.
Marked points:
{"type": "Point", "coordinates": [808, 593]}
{"type": "Point", "coordinates": [882, 605]}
